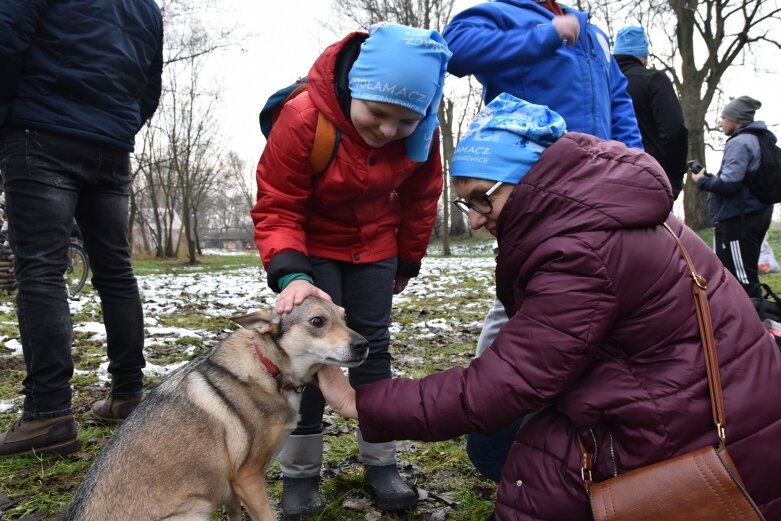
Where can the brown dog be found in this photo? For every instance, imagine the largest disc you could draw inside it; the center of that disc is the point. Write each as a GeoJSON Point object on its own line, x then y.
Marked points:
{"type": "Point", "coordinates": [205, 436]}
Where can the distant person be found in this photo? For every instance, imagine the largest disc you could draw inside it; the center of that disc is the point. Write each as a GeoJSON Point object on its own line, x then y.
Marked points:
{"type": "Point", "coordinates": [357, 232]}
{"type": "Point", "coordinates": [656, 105]}
{"type": "Point", "coordinates": [548, 54]}
{"type": "Point", "coordinates": [603, 342]}
{"type": "Point", "coordinates": [740, 219]}
{"type": "Point", "coordinates": [77, 81]}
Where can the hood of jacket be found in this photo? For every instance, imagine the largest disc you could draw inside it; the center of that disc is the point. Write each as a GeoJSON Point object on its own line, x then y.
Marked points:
{"type": "Point", "coordinates": [580, 184]}
{"type": "Point", "coordinates": [328, 83]}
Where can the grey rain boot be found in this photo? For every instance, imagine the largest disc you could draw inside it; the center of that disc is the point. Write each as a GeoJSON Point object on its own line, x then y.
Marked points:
{"type": "Point", "coordinates": [391, 493]}
{"type": "Point", "coordinates": [300, 461]}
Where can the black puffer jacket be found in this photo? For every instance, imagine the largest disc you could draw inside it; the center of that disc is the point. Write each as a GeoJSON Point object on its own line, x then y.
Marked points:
{"type": "Point", "coordinates": [84, 68]}
{"type": "Point", "coordinates": [659, 117]}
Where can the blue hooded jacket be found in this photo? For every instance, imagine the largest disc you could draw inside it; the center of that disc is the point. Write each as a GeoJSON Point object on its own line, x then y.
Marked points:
{"type": "Point", "coordinates": [84, 68]}
{"type": "Point", "coordinates": [511, 46]}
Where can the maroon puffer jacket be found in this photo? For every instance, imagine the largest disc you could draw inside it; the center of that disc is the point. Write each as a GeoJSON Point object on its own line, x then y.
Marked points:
{"type": "Point", "coordinates": [603, 342]}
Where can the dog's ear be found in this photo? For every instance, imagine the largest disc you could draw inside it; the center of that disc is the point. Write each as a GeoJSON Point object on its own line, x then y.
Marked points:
{"type": "Point", "coordinates": [262, 321]}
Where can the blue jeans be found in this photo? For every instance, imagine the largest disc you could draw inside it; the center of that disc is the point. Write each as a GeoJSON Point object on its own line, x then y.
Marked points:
{"type": "Point", "coordinates": [488, 453]}
{"type": "Point", "coordinates": [50, 179]}
{"type": "Point", "coordinates": [365, 291]}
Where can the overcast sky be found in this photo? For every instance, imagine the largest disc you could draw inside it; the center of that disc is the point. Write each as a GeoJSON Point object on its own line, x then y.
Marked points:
{"type": "Point", "coordinates": [286, 36]}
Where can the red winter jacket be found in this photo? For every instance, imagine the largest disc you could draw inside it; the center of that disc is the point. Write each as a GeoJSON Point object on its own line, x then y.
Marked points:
{"type": "Point", "coordinates": [371, 204]}
{"type": "Point", "coordinates": [603, 341]}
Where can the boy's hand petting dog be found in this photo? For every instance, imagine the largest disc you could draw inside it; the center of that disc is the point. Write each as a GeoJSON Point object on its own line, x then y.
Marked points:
{"type": "Point", "coordinates": [337, 391]}
{"type": "Point", "coordinates": [295, 293]}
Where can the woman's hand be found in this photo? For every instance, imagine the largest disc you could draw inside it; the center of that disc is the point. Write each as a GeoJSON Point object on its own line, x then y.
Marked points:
{"type": "Point", "coordinates": [295, 293]}
{"type": "Point", "coordinates": [337, 391]}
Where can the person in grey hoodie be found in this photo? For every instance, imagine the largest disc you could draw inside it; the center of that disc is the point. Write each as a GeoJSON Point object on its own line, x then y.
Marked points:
{"type": "Point", "coordinates": [740, 219]}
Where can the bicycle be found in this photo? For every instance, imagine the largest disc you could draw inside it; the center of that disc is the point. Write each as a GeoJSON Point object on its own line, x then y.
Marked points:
{"type": "Point", "coordinates": [78, 268]}
{"type": "Point", "coordinates": [76, 272]}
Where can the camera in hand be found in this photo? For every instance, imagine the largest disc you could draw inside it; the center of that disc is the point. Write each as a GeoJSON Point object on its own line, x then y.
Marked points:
{"type": "Point", "coordinates": [695, 166]}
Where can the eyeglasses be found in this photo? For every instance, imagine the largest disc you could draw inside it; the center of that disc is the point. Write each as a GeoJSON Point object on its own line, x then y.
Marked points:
{"type": "Point", "coordinates": [481, 203]}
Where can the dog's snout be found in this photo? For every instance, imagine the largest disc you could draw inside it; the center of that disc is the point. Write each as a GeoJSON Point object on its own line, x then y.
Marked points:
{"type": "Point", "coordinates": [359, 344]}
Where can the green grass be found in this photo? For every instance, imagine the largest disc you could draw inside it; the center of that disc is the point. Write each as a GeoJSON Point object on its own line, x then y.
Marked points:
{"type": "Point", "coordinates": [206, 264]}
{"type": "Point", "coordinates": [43, 485]}
{"type": "Point", "coordinates": [442, 471]}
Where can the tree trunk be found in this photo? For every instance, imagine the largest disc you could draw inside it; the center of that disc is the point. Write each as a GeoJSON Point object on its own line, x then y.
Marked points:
{"type": "Point", "coordinates": [446, 115]}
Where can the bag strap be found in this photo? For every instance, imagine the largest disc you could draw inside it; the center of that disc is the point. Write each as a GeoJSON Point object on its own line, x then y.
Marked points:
{"type": "Point", "coordinates": [325, 144]}
{"type": "Point", "coordinates": [699, 287]}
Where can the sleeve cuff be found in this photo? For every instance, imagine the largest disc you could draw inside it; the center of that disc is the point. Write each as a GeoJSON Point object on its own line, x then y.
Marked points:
{"type": "Point", "coordinates": [286, 263]}
{"type": "Point", "coordinates": [408, 269]}
{"type": "Point", "coordinates": [290, 277]}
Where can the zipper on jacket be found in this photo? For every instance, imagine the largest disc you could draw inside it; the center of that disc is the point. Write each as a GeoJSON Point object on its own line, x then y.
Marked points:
{"type": "Point", "coordinates": [610, 447]}
{"type": "Point", "coordinates": [613, 454]}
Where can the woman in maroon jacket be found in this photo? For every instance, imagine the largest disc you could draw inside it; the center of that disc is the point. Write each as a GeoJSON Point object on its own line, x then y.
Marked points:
{"type": "Point", "coordinates": [357, 232]}
{"type": "Point", "coordinates": [603, 341]}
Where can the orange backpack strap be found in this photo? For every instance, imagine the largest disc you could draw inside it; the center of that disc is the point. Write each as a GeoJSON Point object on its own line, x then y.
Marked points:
{"type": "Point", "coordinates": [325, 144]}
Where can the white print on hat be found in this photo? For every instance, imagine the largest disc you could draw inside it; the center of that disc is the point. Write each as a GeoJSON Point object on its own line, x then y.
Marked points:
{"type": "Point", "coordinates": [419, 41]}
{"type": "Point", "coordinates": [389, 89]}
{"type": "Point", "coordinates": [472, 154]}
{"type": "Point", "coordinates": [471, 149]}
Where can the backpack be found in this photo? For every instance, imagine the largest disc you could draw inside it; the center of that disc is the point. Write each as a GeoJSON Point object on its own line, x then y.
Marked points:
{"type": "Point", "coordinates": [327, 136]}
{"type": "Point", "coordinates": [765, 182]}
{"type": "Point", "coordinates": [768, 307]}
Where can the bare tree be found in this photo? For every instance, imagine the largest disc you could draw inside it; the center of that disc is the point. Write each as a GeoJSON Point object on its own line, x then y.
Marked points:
{"type": "Point", "coordinates": [155, 190]}
{"type": "Point", "coordinates": [224, 216]}
{"type": "Point", "coordinates": [430, 14]}
{"type": "Point", "coordinates": [179, 157]}
{"type": "Point", "coordinates": [726, 30]}
{"type": "Point", "coordinates": [190, 132]}
{"type": "Point", "coordinates": [705, 39]}
{"type": "Point", "coordinates": [458, 108]}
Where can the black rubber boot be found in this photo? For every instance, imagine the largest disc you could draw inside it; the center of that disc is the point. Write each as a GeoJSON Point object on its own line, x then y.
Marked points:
{"type": "Point", "coordinates": [391, 493]}
{"type": "Point", "coordinates": [301, 497]}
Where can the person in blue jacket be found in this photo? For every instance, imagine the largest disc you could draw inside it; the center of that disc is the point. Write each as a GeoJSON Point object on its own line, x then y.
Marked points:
{"type": "Point", "coordinates": [78, 79]}
{"type": "Point", "coordinates": [547, 54]}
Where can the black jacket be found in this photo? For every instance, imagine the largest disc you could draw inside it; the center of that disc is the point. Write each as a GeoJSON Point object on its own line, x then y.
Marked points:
{"type": "Point", "coordinates": [659, 117]}
{"type": "Point", "coordinates": [84, 68]}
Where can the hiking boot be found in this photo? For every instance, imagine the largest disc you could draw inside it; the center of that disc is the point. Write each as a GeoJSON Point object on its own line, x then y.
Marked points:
{"type": "Point", "coordinates": [114, 410]}
{"type": "Point", "coordinates": [301, 497]}
{"type": "Point", "coordinates": [47, 436]}
{"type": "Point", "coordinates": [391, 493]}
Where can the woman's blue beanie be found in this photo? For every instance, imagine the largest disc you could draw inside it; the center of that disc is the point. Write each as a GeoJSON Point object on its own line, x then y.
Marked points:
{"type": "Point", "coordinates": [404, 66]}
{"type": "Point", "coordinates": [505, 140]}
{"type": "Point", "coordinates": [631, 40]}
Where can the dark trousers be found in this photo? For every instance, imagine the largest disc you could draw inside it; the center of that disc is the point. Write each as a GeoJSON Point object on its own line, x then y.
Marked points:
{"type": "Point", "coordinates": [49, 180]}
{"type": "Point", "coordinates": [365, 291]}
{"type": "Point", "coordinates": [488, 453]}
{"type": "Point", "coordinates": [738, 243]}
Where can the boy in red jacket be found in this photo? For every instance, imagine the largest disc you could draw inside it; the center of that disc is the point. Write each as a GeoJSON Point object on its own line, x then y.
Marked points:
{"type": "Point", "coordinates": [357, 232]}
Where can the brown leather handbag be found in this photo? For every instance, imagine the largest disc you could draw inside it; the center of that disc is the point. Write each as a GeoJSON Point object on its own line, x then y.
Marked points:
{"type": "Point", "coordinates": [700, 485]}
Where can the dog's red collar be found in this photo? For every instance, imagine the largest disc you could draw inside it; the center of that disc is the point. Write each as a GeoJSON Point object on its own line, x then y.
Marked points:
{"type": "Point", "coordinates": [274, 371]}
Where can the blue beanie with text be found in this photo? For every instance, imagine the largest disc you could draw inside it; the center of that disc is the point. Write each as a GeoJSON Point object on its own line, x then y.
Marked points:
{"type": "Point", "coordinates": [404, 66]}
{"type": "Point", "coordinates": [505, 140]}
